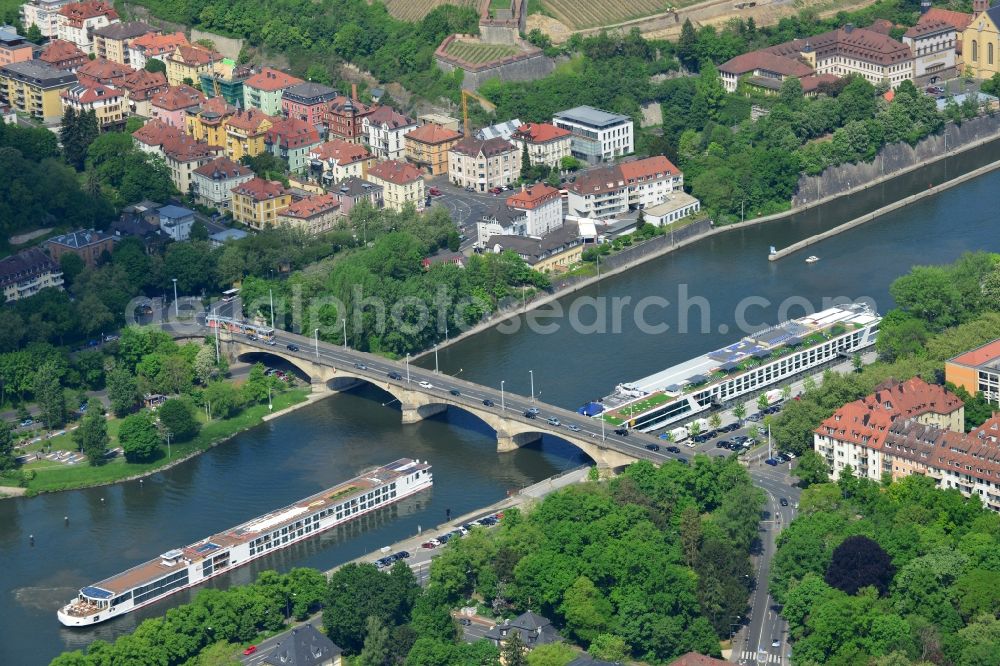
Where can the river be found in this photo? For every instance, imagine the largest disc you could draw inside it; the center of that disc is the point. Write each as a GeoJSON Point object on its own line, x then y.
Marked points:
{"type": "Point", "coordinates": [116, 527]}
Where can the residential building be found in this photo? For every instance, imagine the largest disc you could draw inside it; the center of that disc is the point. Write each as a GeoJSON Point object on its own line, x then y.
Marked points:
{"type": "Point", "coordinates": [440, 120]}
{"type": "Point", "coordinates": [26, 273]}
{"type": "Point", "coordinates": [401, 184]}
{"type": "Point", "coordinates": [108, 104]}
{"type": "Point", "coordinates": [932, 42]}
{"type": "Point", "coordinates": [542, 206]}
{"type": "Point", "coordinates": [597, 135]}
{"type": "Point", "coordinates": [483, 164]}
{"type": "Point", "coordinates": [176, 222]}
{"type": "Point", "coordinates": [981, 41]}
{"type": "Point", "coordinates": [344, 118]}
{"type": "Point", "coordinates": [307, 101]}
{"type": "Point", "coordinates": [504, 130]}
{"type": "Point", "coordinates": [207, 122]}
{"type": "Point", "coordinates": [257, 202]}
{"type": "Point", "coordinates": [958, 20]}
{"type": "Point", "coordinates": [855, 433]}
{"type": "Point", "coordinates": [63, 55]}
{"type": "Point", "coordinates": [44, 14]}
{"type": "Point", "coordinates": [87, 244]}
{"type": "Point", "coordinates": [141, 221]}
{"type": "Point", "coordinates": [264, 89]}
{"type": "Point", "coordinates": [214, 181]}
{"type": "Point", "coordinates": [104, 72]}
{"type": "Point", "coordinates": [153, 135]}
{"type": "Point", "coordinates": [546, 143]}
{"type": "Point", "coordinates": [13, 47]}
{"type": "Point", "coordinates": [140, 87]}
{"type": "Point", "coordinates": [33, 88]}
{"type": "Point", "coordinates": [245, 133]}
{"type": "Point", "coordinates": [977, 371]}
{"type": "Point", "coordinates": [338, 159]}
{"type": "Point", "coordinates": [499, 219]}
{"type": "Point", "coordinates": [677, 206]}
{"type": "Point", "coordinates": [225, 79]}
{"type": "Point", "coordinates": [171, 105]}
{"type": "Point", "coordinates": [153, 46]}
{"type": "Point", "coordinates": [112, 41]}
{"type": "Point", "coordinates": [183, 156]}
{"type": "Point", "coordinates": [222, 237]}
{"type": "Point", "coordinates": [314, 214]}
{"type": "Point", "coordinates": [187, 62]}
{"type": "Point", "coordinates": [386, 129]}
{"type": "Point", "coordinates": [303, 646]}
{"type": "Point", "coordinates": [607, 191]}
{"type": "Point", "coordinates": [554, 253]}
{"type": "Point", "coordinates": [534, 630]}
{"type": "Point", "coordinates": [77, 22]}
{"type": "Point", "coordinates": [353, 191]}
{"type": "Point", "coordinates": [427, 147]}
{"type": "Point", "coordinates": [967, 462]}
{"type": "Point", "coordinates": [871, 54]}
{"type": "Point", "coordinates": [292, 139]}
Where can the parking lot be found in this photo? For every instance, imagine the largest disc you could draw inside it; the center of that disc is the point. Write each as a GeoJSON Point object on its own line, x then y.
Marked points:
{"type": "Point", "coordinates": [466, 208]}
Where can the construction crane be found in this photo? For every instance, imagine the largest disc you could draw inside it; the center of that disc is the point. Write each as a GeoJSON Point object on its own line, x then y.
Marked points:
{"type": "Point", "coordinates": [483, 102]}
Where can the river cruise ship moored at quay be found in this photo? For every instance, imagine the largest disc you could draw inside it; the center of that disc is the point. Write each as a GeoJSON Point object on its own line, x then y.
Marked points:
{"type": "Point", "coordinates": [748, 367]}
{"type": "Point", "coordinates": [181, 568]}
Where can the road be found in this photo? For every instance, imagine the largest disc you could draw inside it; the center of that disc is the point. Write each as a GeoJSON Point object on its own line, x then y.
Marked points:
{"type": "Point", "coordinates": [466, 208]}
{"type": "Point", "coordinates": [266, 647]}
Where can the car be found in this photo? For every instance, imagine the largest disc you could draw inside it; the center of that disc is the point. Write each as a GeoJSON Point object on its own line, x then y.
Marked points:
{"type": "Point", "coordinates": [533, 410]}
{"type": "Point", "coordinates": [292, 347]}
{"type": "Point", "coordinates": [783, 501]}
{"type": "Point", "coordinates": [394, 375]}
{"type": "Point", "coordinates": [622, 432]}
{"type": "Point", "coordinates": [775, 643]}
{"type": "Point", "coordinates": [682, 460]}
{"type": "Point", "coordinates": [723, 444]}
{"type": "Point", "coordinates": [249, 651]}
{"type": "Point", "coordinates": [383, 562]}
{"type": "Point", "coordinates": [402, 555]}
{"type": "Point", "coordinates": [528, 414]}
{"type": "Point", "coordinates": [496, 190]}
{"type": "Point", "coordinates": [426, 385]}
{"type": "Point", "coordinates": [27, 422]}
{"type": "Point", "coordinates": [443, 539]}
{"type": "Point", "coordinates": [270, 342]}
{"type": "Point", "coordinates": [572, 428]}
{"type": "Point", "coordinates": [772, 462]}
{"type": "Point", "coordinates": [466, 527]}
{"type": "Point", "coordinates": [739, 439]}
{"type": "Point", "coordinates": [360, 366]}
{"type": "Point", "coordinates": [428, 545]}
{"type": "Point", "coordinates": [730, 427]}
{"type": "Point", "coordinates": [789, 455]}
{"type": "Point", "coordinates": [553, 421]}
{"type": "Point", "coordinates": [434, 192]}
{"type": "Point", "coordinates": [455, 392]}
{"type": "Point", "coordinates": [489, 403]}
{"type": "Point", "coordinates": [782, 457]}
{"type": "Point", "coordinates": [755, 417]}
{"type": "Point", "coordinates": [465, 622]}
{"type": "Point", "coordinates": [747, 443]}
{"type": "Point", "coordinates": [111, 338]}
{"type": "Point", "coordinates": [673, 449]}
{"type": "Point", "coordinates": [653, 447]}
{"type": "Point", "coordinates": [458, 533]}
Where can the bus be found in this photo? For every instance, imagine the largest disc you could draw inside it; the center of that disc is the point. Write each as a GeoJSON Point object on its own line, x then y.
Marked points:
{"type": "Point", "coordinates": [230, 295]}
{"type": "Point", "coordinates": [252, 331]}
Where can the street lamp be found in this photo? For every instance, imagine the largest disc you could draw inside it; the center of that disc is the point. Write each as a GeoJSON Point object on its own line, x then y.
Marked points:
{"type": "Point", "coordinates": [503, 405]}
{"type": "Point", "coordinates": [217, 324]}
{"type": "Point", "coordinates": [316, 341]}
{"type": "Point", "coordinates": [345, 332]}
{"type": "Point", "coordinates": [436, 370]}
{"type": "Point", "coordinates": [531, 373]}
{"type": "Point", "coordinates": [177, 312]}
{"type": "Point", "coordinates": [407, 367]}
{"type": "Point", "coordinates": [168, 445]}
{"type": "Point", "coordinates": [270, 405]}
{"type": "Point", "coordinates": [271, 293]}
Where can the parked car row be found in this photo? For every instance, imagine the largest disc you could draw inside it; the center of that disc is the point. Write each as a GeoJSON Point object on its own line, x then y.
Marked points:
{"type": "Point", "coordinates": [485, 521]}
{"type": "Point", "coordinates": [389, 560]}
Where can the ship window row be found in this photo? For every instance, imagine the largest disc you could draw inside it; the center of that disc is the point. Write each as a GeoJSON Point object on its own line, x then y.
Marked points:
{"type": "Point", "coordinates": [161, 586]}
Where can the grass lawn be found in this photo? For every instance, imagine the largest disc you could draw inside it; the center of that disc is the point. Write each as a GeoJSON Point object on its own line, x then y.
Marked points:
{"type": "Point", "coordinates": [51, 476]}
{"type": "Point", "coordinates": [480, 52]}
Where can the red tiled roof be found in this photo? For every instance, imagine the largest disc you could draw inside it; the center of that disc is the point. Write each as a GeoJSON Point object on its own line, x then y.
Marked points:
{"type": "Point", "coordinates": [432, 134]}
{"type": "Point", "coordinates": [926, 26]}
{"type": "Point", "coordinates": [388, 116]}
{"type": "Point", "coordinates": [342, 105]}
{"type": "Point", "coordinates": [764, 60]}
{"type": "Point", "coordinates": [960, 20]}
{"type": "Point", "coordinates": [812, 83]}
{"type": "Point", "coordinates": [190, 54]}
{"type": "Point", "coordinates": [89, 93]}
{"type": "Point", "coordinates": [540, 132]}
{"type": "Point", "coordinates": [223, 168]}
{"type": "Point", "coordinates": [472, 147]}
{"type": "Point", "coordinates": [178, 97]}
{"type": "Point", "coordinates": [156, 133]}
{"type": "Point", "coordinates": [292, 133]}
{"type": "Point", "coordinates": [60, 52]}
{"type": "Point", "coordinates": [394, 171]}
{"type": "Point", "coordinates": [529, 198]}
{"type": "Point", "coordinates": [340, 151]}
{"type": "Point", "coordinates": [152, 44]}
{"type": "Point", "coordinates": [650, 167]}
{"type": "Point", "coordinates": [979, 355]}
{"type": "Point", "coordinates": [77, 12]}
{"type": "Point", "coordinates": [271, 79]}
{"type": "Point", "coordinates": [186, 149]}
{"type": "Point", "coordinates": [312, 206]}
{"type": "Point", "coordinates": [142, 84]}
{"type": "Point", "coordinates": [218, 106]}
{"type": "Point", "coordinates": [259, 189]}
{"type": "Point", "coordinates": [103, 71]}
{"type": "Point", "coordinates": [248, 120]}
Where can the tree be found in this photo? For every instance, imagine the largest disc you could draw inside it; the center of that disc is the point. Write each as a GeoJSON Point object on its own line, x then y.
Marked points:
{"type": "Point", "coordinates": [859, 562]}
{"type": "Point", "coordinates": [199, 232]}
{"type": "Point", "coordinates": [715, 421]}
{"type": "Point", "coordinates": [376, 649]}
{"type": "Point", "coordinates": [71, 266]}
{"type": "Point", "coordinates": [156, 65]}
{"type": "Point", "coordinates": [205, 368]}
{"type": "Point", "coordinates": [690, 532]}
{"type": "Point", "coordinates": [687, 46]}
{"type": "Point", "coordinates": [7, 460]}
{"type": "Point", "coordinates": [740, 412]}
{"type": "Point", "coordinates": [34, 34]}
{"type": "Point", "coordinates": [139, 437]}
{"type": "Point", "coordinates": [76, 134]}
{"type": "Point", "coordinates": [48, 391]}
{"type": "Point", "coordinates": [177, 416]}
{"type": "Point", "coordinates": [92, 437]}
{"type": "Point", "coordinates": [512, 652]}
{"type": "Point", "coordinates": [609, 647]}
{"type": "Point", "coordinates": [762, 402]}
{"type": "Point", "coordinates": [222, 399]}
{"type": "Point", "coordinates": [586, 610]}
{"type": "Point", "coordinates": [694, 429]}
{"type": "Point", "coordinates": [811, 469]}
{"type": "Point", "coordinates": [551, 654]}
{"type": "Point", "coordinates": [122, 391]}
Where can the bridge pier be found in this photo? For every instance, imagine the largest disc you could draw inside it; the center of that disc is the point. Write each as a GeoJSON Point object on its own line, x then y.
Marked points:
{"type": "Point", "coordinates": [417, 413]}
{"type": "Point", "coordinates": [507, 443]}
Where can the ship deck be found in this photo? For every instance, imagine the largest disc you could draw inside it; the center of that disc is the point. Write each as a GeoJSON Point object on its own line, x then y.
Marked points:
{"type": "Point", "coordinates": [212, 545]}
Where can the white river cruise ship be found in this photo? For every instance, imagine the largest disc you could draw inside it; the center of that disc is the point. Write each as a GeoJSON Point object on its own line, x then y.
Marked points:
{"type": "Point", "coordinates": [181, 568]}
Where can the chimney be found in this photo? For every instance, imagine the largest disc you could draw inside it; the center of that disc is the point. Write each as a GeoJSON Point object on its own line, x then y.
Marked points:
{"type": "Point", "coordinates": [522, 187]}
{"type": "Point", "coordinates": [925, 6]}
{"type": "Point", "coordinates": [849, 28]}
{"type": "Point", "coordinates": [354, 91]}
{"type": "Point", "coordinates": [980, 6]}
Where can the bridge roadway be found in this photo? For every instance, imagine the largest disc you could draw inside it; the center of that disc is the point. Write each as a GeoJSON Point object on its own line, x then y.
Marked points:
{"type": "Point", "coordinates": [423, 392]}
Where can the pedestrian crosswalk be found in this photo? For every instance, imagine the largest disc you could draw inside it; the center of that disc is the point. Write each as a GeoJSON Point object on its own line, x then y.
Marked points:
{"type": "Point", "coordinates": [748, 657]}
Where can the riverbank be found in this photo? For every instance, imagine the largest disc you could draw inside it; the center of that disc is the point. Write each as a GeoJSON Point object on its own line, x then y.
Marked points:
{"type": "Point", "coordinates": [871, 217]}
{"type": "Point", "coordinates": [74, 477]}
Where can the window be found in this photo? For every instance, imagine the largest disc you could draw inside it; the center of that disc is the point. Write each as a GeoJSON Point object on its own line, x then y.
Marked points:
{"type": "Point", "coordinates": [989, 54]}
{"type": "Point", "coordinates": [975, 51]}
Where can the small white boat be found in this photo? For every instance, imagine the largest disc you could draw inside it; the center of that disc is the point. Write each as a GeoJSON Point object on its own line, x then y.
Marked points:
{"type": "Point", "coordinates": [812, 259]}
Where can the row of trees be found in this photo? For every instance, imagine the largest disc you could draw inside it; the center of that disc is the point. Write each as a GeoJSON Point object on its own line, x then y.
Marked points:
{"type": "Point", "coordinates": [898, 574]}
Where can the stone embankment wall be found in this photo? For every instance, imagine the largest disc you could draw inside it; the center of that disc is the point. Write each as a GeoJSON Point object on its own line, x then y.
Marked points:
{"type": "Point", "coordinates": [227, 46]}
{"type": "Point", "coordinates": [894, 159]}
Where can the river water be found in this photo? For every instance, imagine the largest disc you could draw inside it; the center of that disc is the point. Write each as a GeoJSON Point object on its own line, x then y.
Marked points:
{"type": "Point", "coordinates": [113, 528]}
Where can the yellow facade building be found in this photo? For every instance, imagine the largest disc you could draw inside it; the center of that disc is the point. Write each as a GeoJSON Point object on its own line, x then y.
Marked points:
{"type": "Point", "coordinates": [981, 41]}
{"type": "Point", "coordinates": [187, 62]}
{"type": "Point", "coordinates": [208, 121]}
{"type": "Point", "coordinates": [34, 88]}
{"type": "Point", "coordinates": [245, 133]}
{"type": "Point", "coordinates": [257, 202]}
